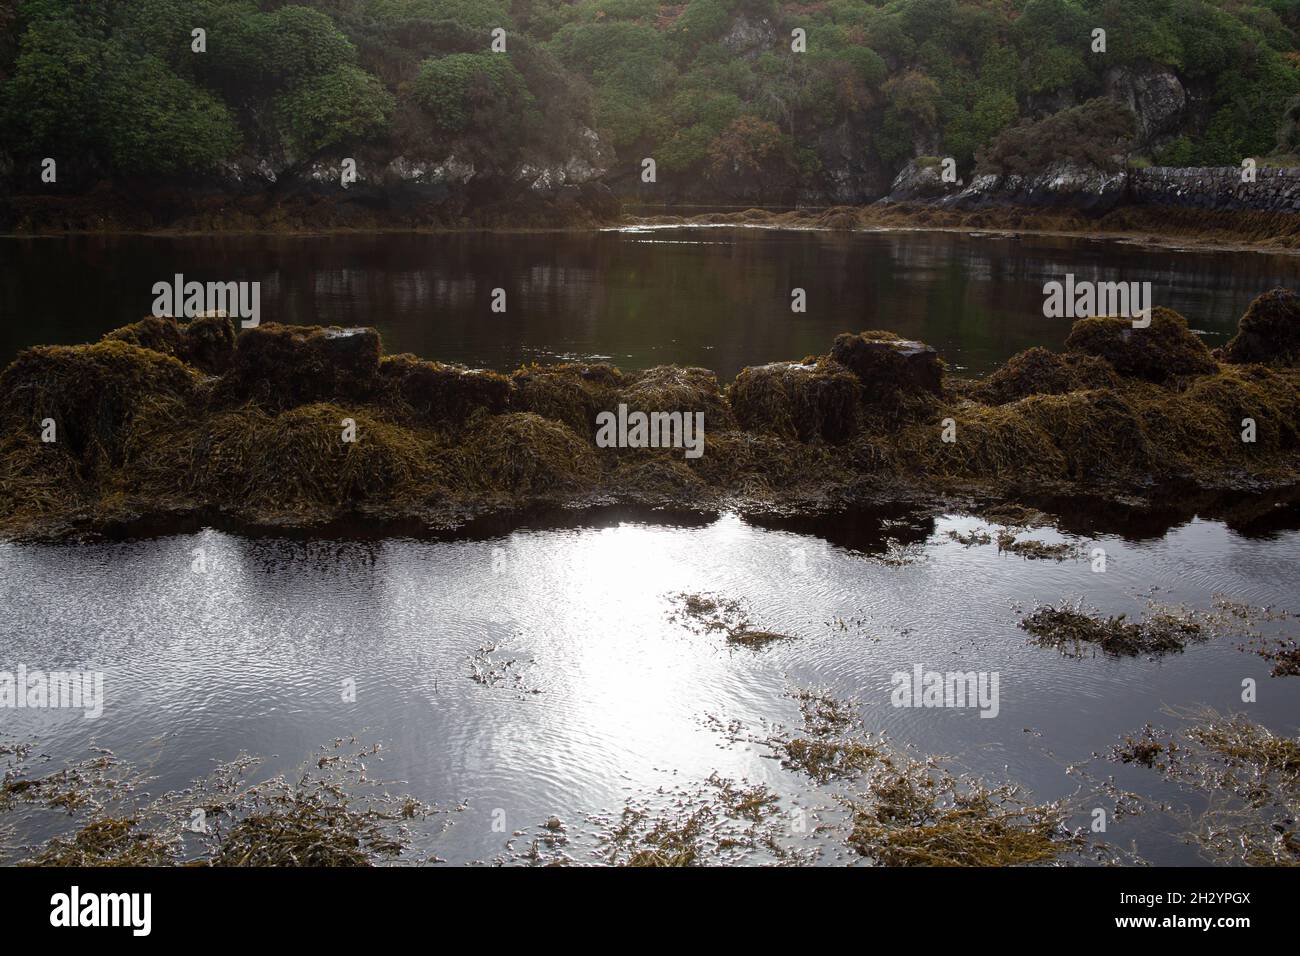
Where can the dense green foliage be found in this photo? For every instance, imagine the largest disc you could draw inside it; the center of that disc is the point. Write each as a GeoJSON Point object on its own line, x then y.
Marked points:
{"type": "Point", "coordinates": [707, 87]}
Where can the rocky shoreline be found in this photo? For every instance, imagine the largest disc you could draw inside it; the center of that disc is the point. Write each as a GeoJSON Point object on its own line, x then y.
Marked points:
{"type": "Point", "coordinates": [160, 421]}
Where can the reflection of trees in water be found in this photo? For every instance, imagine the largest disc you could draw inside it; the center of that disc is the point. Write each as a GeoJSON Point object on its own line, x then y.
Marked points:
{"type": "Point", "coordinates": [717, 297]}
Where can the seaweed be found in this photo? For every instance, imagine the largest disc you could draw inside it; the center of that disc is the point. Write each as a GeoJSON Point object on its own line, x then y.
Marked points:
{"type": "Point", "coordinates": [1248, 778]}
{"type": "Point", "coordinates": [206, 342]}
{"type": "Point", "coordinates": [142, 434]}
{"type": "Point", "coordinates": [431, 392]}
{"type": "Point", "coordinates": [92, 392]}
{"type": "Point", "coordinates": [108, 841]}
{"type": "Point", "coordinates": [668, 388]}
{"type": "Point", "coordinates": [1040, 371]}
{"type": "Point", "coordinates": [568, 393]}
{"type": "Point", "coordinates": [714, 614]}
{"type": "Point", "coordinates": [1069, 627]}
{"type": "Point", "coordinates": [1269, 332]}
{"type": "Point", "coordinates": [915, 814]}
{"type": "Point", "coordinates": [707, 825]}
{"type": "Point", "coordinates": [710, 614]}
{"type": "Point", "coordinates": [332, 814]}
{"type": "Point", "coordinates": [798, 402]}
{"type": "Point", "coordinates": [1165, 348]}
{"type": "Point", "coordinates": [280, 366]}
{"type": "Point", "coordinates": [1036, 550]}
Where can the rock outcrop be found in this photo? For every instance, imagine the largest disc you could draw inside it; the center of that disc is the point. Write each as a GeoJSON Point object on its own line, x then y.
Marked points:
{"type": "Point", "coordinates": [1156, 97]}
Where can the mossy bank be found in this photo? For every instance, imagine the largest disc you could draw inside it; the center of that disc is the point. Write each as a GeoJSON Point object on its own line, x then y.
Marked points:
{"type": "Point", "coordinates": [292, 426]}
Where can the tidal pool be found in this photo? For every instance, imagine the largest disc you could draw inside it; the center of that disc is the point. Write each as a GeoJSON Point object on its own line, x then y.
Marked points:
{"type": "Point", "coordinates": [540, 672]}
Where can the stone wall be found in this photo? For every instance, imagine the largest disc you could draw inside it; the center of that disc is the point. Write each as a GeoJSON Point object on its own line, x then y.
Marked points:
{"type": "Point", "coordinates": [1219, 187]}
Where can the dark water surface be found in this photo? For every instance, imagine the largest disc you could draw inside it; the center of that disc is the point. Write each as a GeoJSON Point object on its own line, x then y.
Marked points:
{"type": "Point", "coordinates": [714, 297]}
{"type": "Point", "coordinates": [607, 699]}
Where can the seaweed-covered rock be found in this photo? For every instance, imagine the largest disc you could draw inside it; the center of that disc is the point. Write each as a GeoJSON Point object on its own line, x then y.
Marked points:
{"type": "Point", "coordinates": [570, 393]}
{"type": "Point", "coordinates": [296, 463]}
{"type": "Point", "coordinates": [207, 341]}
{"type": "Point", "coordinates": [524, 454]}
{"type": "Point", "coordinates": [282, 366]}
{"type": "Point", "coordinates": [793, 400]}
{"type": "Point", "coordinates": [989, 444]}
{"type": "Point", "coordinates": [667, 388]}
{"type": "Point", "coordinates": [886, 364]}
{"type": "Point", "coordinates": [1262, 394]}
{"type": "Point", "coordinates": [1040, 371]}
{"type": "Point", "coordinates": [90, 391]}
{"type": "Point", "coordinates": [434, 392]}
{"type": "Point", "coordinates": [1098, 434]}
{"type": "Point", "coordinates": [1164, 349]}
{"type": "Point", "coordinates": [1269, 332]}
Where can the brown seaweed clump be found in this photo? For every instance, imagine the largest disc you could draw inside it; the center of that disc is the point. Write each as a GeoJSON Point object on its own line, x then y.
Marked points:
{"type": "Point", "coordinates": [569, 393]}
{"type": "Point", "coordinates": [1069, 627]}
{"type": "Point", "coordinates": [1269, 332]}
{"type": "Point", "coordinates": [818, 401]}
{"type": "Point", "coordinates": [305, 425]}
{"type": "Point", "coordinates": [332, 814]}
{"type": "Point", "coordinates": [279, 366]}
{"type": "Point", "coordinates": [914, 814]}
{"type": "Point", "coordinates": [1040, 371]}
{"type": "Point", "coordinates": [434, 393]}
{"type": "Point", "coordinates": [109, 841]}
{"type": "Point", "coordinates": [714, 614]}
{"type": "Point", "coordinates": [709, 614]}
{"type": "Point", "coordinates": [1165, 348]}
{"type": "Point", "coordinates": [207, 341]}
{"type": "Point", "coordinates": [1247, 778]}
{"type": "Point", "coordinates": [91, 394]}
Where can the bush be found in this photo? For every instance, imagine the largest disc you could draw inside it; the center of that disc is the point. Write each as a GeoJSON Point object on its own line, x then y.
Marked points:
{"type": "Point", "coordinates": [346, 105]}
{"type": "Point", "coordinates": [471, 90]}
{"type": "Point", "coordinates": [1095, 133]}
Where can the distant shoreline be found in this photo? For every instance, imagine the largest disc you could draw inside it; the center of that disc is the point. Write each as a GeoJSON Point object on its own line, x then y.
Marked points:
{"type": "Point", "coordinates": [1154, 226]}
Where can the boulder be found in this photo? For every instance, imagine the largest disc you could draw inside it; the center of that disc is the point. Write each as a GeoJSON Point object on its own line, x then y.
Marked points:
{"type": "Point", "coordinates": [887, 365]}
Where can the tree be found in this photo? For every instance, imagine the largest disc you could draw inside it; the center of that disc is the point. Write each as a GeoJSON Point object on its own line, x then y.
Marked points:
{"type": "Point", "coordinates": [153, 121]}
{"type": "Point", "coordinates": [753, 148]}
{"type": "Point", "coordinates": [471, 91]}
{"type": "Point", "coordinates": [347, 104]}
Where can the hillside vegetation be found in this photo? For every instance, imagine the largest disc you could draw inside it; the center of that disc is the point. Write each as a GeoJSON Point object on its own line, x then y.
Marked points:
{"type": "Point", "coordinates": [710, 89]}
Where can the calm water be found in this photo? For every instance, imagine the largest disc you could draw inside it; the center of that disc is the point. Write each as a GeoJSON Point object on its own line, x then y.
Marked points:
{"type": "Point", "coordinates": [605, 699]}
{"type": "Point", "coordinates": [715, 297]}
{"type": "Point", "coordinates": [608, 699]}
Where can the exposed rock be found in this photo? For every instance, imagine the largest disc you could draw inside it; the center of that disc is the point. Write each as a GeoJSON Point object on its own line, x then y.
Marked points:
{"type": "Point", "coordinates": [848, 173]}
{"type": "Point", "coordinates": [749, 38]}
{"type": "Point", "coordinates": [922, 179]}
{"type": "Point", "coordinates": [886, 364]}
{"type": "Point", "coordinates": [1220, 188]}
{"type": "Point", "coordinates": [1156, 97]}
{"type": "Point", "coordinates": [1064, 184]}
